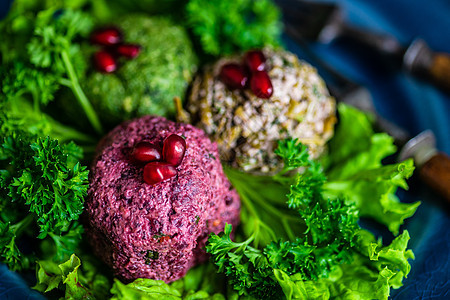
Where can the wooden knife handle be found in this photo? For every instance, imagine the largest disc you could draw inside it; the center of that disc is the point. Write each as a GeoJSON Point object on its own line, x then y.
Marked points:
{"type": "Point", "coordinates": [440, 70]}
{"type": "Point", "coordinates": [436, 174]}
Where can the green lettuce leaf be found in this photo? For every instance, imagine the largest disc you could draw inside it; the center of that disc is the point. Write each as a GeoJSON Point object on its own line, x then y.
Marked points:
{"type": "Point", "coordinates": [144, 289]}
{"type": "Point", "coordinates": [394, 257]}
{"type": "Point", "coordinates": [50, 276]}
{"type": "Point", "coordinates": [68, 277]}
{"type": "Point", "coordinates": [355, 146]}
{"type": "Point", "coordinates": [372, 279]}
{"type": "Point", "coordinates": [201, 282]}
{"type": "Point", "coordinates": [377, 201]}
{"type": "Point", "coordinates": [355, 171]}
{"type": "Point", "coordinates": [370, 276]}
{"type": "Point", "coordinates": [295, 288]}
{"type": "Point", "coordinates": [149, 289]}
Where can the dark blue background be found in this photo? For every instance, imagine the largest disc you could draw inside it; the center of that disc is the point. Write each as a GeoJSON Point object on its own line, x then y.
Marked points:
{"type": "Point", "coordinates": [411, 103]}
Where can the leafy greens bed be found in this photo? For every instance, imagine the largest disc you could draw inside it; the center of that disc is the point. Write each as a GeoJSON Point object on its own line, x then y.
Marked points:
{"type": "Point", "coordinates": [299, 237]}
{"type": "Point", "coordinates": [310, 244]}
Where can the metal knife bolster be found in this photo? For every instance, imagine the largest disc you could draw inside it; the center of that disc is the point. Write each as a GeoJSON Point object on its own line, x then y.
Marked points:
{"type": "Point", "coordinates": [433, 166]}
{"type": "Point", "coordinates": [418, 57]}
{"type": "Point", "coordinates": [422, 147]}
{"type": "Point", "coordinates": [423, 62]}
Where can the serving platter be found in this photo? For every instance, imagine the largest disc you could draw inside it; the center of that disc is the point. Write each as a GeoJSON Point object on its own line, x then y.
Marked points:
{"type": "Point", "coordinates": [408, 102]}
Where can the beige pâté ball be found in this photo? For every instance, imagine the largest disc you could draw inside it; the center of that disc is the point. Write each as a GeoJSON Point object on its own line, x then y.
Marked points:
{"type": "Point", "coordinates": [247, 127]}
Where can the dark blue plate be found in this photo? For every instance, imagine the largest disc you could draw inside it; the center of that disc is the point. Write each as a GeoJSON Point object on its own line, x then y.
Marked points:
{"type": "Point", "coordinates": [410, 103]}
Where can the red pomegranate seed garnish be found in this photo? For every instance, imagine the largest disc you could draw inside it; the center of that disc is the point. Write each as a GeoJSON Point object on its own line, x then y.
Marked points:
{"type": "Point", "coordinates": [106, 36]}
{"type": "Point", "coordinates": [146, 152]}
{"type": "Point", "coordinates": [105, 61]}
{"type": "Point", "coordinates": [128, 50]}
{"type": "Point", "coordinates": [164, 239]}
{"type": "Point", "coordinates": [156, 171]}
{"type": "Point", "coordinates": [173, 149]}
{"type": "Point", "coordinates": [234, 76]}
{"type": "Point", "coordinates": [261, 85]}
{"type": "Point", "coordinates": [255, 60]}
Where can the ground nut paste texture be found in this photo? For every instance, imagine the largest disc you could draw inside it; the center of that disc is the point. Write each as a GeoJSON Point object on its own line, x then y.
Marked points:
{"type": "Point", "coordinates": [156, 231]}
{"type": "Point", "coordinates": [247, 128]}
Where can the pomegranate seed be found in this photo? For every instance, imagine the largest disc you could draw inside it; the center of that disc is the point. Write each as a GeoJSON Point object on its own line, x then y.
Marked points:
{"type": "Point", "coordinates": [105, 61]}
{"type": "Point", "coordinates": [156, 171]}
{"type": "Point", "coordinates": [128, 50]}
{"type": "Point", "coordinates": [146, 152]}
{"type": "Point", "coordinates": [164, 239]}
{"type": "Point", "coordinates": [261, 85]}
{"type": "Point", "coordinates": [234, 76]}
{"type": "Point", "coordinates": [255, 60]}
{"type": "Point", "coordinates": [106, 36]}
{"type": "Point", "coordinates": [173, 149]}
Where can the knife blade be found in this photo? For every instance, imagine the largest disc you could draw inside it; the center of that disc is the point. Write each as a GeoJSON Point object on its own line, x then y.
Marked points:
{"type": "Point", "coordinates": [324, 22]}
{"type": "Point", "coordinates": [433, 166]}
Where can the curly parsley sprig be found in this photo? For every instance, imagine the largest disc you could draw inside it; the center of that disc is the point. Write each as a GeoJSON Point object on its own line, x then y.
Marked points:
{"type": "Point", "coordinates": [52, 60]}
{"type": "Point", "coordinates": [42, 190]}
{"type": "Point", "coordinates": [319, 237]}
{"type": "Point", "coordinates": [224, 27]}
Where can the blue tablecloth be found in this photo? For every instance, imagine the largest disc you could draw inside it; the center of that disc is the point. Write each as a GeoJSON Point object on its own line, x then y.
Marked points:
{"type": "Point", "coordinates": [410, 103]}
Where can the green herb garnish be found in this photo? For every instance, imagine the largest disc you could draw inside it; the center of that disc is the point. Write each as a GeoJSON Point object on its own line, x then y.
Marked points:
{"type": "Point", "coordinates": [52, 59]}
{"type": "Point", "coordinates": [229, 26]}
{"type": "Point", "coordinates": [305, 245]}
{"type": "Point", "coordinates": [42, 189]}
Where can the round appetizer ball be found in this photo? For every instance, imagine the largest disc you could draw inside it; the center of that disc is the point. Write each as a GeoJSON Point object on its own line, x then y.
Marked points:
{"type": "Point", "coordinates": [162, 68]}
{"type": "Point", "coordinates": [157, 190]}
{"type": "Point", "coordinates": [247, 103]}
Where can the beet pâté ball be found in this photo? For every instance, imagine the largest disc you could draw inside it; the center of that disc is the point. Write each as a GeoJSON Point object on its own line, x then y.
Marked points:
{"type": "Point", "coordinates": [247, 103]}
{"type": "Point", "coordinates": [157, 191]}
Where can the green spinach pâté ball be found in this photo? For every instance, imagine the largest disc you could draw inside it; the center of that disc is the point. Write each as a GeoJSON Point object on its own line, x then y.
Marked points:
{"type": "Point", "coordinates": [247, 103]}
{"type": "Point", "coordinates": [147, 83]}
